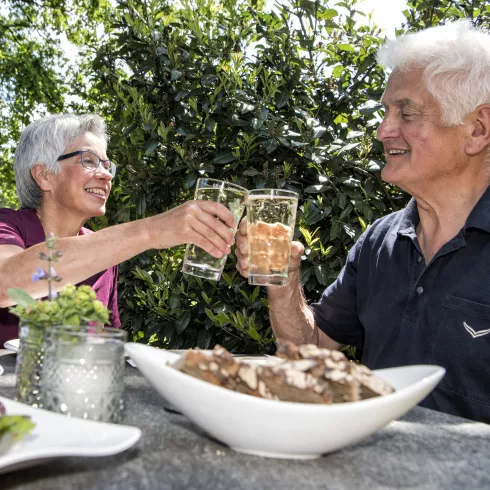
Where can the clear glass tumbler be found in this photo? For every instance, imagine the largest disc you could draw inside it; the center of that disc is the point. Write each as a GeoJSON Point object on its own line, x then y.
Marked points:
{"type": "Point", "coordinates": [197, 262]}
{"type": "Point", "coordinates": [83, 372]}
{"type": "Point", "coordinates": [271, 216]}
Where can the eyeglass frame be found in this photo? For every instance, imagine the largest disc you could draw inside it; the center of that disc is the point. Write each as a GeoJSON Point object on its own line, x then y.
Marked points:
{"type": "Point", "coordinates": [112, 169]}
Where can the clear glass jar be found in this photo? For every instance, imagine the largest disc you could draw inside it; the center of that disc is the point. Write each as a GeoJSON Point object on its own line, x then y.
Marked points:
{"type": "Point", "coordinates": [83, 372]}
{"type": "Point", "coordinates": [29, 364]}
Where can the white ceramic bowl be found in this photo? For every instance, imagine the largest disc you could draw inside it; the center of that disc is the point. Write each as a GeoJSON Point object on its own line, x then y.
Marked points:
{"type": "Point", "coordinates": [282, 429]}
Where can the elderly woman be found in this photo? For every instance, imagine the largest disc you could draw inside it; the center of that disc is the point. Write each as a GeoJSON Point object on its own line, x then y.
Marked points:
{"type": "Point", "coordinates": [64, 177]}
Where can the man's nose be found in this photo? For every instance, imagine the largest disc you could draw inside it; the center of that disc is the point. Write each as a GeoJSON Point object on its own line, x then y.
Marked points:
{"type": "Point", "coordinates": [387, 129]}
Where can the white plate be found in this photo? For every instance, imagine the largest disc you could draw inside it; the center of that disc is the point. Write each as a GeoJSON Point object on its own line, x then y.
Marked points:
{"type": "Point", "coordinates": [282, 429]}
{"type": "Point", "coordinates": [56, 435]}
{"type": "Point", "coordinates": [12, 345]}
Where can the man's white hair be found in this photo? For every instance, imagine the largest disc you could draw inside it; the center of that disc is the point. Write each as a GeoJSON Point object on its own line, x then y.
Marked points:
{"type": "Point", "coordinates": [43, 142]}
{"type": "Point", "coordinates": [455, 61]}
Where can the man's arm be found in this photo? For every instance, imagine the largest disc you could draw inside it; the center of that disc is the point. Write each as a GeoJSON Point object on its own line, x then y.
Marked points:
{"type": "Point", "coordinates": [291, 317]}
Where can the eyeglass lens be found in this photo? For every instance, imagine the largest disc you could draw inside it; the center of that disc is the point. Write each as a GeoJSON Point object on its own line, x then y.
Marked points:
{"type": "Point", "coordinates": [91, 161]}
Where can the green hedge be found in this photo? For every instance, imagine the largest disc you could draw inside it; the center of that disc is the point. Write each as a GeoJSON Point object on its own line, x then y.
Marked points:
{"type": "Point", "coordinates": [287, 98]}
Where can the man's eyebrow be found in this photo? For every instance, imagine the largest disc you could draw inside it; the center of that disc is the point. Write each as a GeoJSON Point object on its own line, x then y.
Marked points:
{"type": "Point", "coordinates": [404, 102]}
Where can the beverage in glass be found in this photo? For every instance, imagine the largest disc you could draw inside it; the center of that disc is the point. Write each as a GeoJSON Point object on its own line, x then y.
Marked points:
{"type": "Point", "coordinates": [271, 216]}
{"type": "Point", "coordinates": [197, 262]}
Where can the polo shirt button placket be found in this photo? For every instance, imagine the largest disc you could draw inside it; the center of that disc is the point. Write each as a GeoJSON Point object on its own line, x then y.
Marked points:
{"type": "Point", "coordinates": [419, 258]}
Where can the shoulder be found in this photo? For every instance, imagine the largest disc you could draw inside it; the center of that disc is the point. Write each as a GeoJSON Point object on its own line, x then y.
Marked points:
{"type": "Point", "coordinates": [17, 215]}
{"type": "Point", "coordinates": [387, 224]}
{"type": "Point", "coordinates": [380, 232]}
{"type": "Point", "coordinates": [9, 214]}
{"type": "Point", "coordinates": [12, 227]}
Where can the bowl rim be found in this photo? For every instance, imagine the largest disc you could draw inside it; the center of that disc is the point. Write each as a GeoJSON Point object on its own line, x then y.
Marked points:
{"type": "Point", "coordinates": [437, 371]}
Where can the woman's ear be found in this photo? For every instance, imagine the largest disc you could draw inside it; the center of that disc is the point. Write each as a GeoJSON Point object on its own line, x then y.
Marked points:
{"type": "Point", "coordinates": [479, 139]}
{"type": "Point", "coordinates": [40, 174]}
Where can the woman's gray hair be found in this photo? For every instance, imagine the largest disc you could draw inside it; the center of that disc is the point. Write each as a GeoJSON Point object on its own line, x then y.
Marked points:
{"type": "Point", "coordinates": [42, 142]}
{"type": "Point", "coordinates": [455, 60]}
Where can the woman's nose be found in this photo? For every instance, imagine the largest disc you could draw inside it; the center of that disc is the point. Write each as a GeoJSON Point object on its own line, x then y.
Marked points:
{"type": "Point", "coordinates": [104, 173]}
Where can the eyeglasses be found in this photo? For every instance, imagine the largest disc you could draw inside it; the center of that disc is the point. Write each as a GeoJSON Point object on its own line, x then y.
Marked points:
{"type": "Point", "coordinates": [91, 161]}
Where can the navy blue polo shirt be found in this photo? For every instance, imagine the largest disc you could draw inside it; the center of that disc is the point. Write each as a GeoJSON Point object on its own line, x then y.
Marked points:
{"type": "Point", "coordinates": [399, 310]}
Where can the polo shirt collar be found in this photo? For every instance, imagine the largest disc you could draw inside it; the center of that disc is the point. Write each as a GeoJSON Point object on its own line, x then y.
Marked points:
{"type": "Point", "coordinates": [409, 219]}
{"type": "Point", "coordinates": [480, 214]}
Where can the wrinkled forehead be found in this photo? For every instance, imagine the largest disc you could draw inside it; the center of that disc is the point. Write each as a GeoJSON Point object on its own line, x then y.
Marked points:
{"type": "Point", "coordinates": [405, 88]}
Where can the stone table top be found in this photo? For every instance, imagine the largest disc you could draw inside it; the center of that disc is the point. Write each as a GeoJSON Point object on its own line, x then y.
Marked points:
{"type": "Point", "coordinates": [424, 449]}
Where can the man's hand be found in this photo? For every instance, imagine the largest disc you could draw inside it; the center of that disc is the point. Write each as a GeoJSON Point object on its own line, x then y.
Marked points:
{"type": "Point", "coordinates": [206, 224]}
{"type": "Point", "coordinates": [241, 251]}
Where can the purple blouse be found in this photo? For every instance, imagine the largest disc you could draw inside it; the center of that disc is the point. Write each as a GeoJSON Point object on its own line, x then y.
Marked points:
{"type": "Point", "coordinates": [23, 229]}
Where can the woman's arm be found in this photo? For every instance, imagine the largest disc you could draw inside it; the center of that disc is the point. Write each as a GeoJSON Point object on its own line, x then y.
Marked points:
{"type": "Point", "coordinates": [83, 256]}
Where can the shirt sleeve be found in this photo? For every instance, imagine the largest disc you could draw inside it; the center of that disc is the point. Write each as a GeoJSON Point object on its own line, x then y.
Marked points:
{"type": "Point", "coordinates": [112, 303]}
{"type": "Point", "coordinates": [10, 233]}
{"type": "Point", "coordinates": [336, 312]}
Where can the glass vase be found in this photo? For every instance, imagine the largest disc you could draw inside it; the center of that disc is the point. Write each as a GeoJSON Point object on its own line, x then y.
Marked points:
{"type": "Point", "coordinates": [83, 372]}
{"type": "Point", "coordinates": [29, 364]}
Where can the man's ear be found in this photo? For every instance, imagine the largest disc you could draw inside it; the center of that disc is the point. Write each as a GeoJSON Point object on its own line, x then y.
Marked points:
{"type": "Point", "coordinates": [40, 174]}
{"type": "Point", "coordinates": [480, 130]}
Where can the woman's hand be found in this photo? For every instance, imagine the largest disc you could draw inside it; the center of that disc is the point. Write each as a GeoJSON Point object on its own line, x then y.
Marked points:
{"type": "Point", "coordinates": [206, 224]}
{"type": "Point", "coordinates": [241, 251]}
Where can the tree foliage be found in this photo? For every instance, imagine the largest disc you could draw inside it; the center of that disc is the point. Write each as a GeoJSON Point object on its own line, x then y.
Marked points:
{"type": "Point", "coordinates": [34, 79]}
{"type": "Point", "coordinates": [284, 96]}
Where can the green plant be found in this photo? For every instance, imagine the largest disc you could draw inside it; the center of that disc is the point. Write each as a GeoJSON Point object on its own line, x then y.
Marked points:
{"type": "Point", "coordinates": [279, 94]}
{"type": "Point", "coordinates": [282, 96]}
{"type": "Point", "coordinates": [71, 306]}
{"type": "Point", "coordinates": [13, 427]}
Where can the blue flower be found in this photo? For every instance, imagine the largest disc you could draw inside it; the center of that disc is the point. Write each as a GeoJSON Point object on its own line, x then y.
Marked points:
{"type": "Point", "coordinates": [39, 274]}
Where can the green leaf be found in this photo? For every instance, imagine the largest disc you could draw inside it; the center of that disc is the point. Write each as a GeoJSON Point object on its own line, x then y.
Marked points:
{"type": "Point", "coordinates": [346, 47]}
{"type": "Point", "coordinates": [151, 147]}
{"type": "Point", "coordinates": [321, 274]}
{"type": "Point", "coordinates": [21, 297]}
{"type": "Point", "coordinates": [328, 14]}
{"type": "Point", "coordinates": [140, 204]}
{"type": "Point", "coordinates": [15, 427]}
{"type": "Point", "coordinates": [175, 75]}
{"type": "Point", "coordinates": [369, 107]}
{"type": "Point", "coordinates": [282, 98]}
{"type": "Point", "coordinates": [204, 338]}
{"type": "Point", "coordinates": [254, 334]}
{"type": "Point", "coordinates": [316, 189]}
{"type": "Point", "coordinates": [182, 323]}
{"type": "Point", "coordinates": [225, 157]}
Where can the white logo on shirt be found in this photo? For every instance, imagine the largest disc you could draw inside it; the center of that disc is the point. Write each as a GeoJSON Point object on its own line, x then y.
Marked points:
{"type": "Point", "coordinates": [475, 334]}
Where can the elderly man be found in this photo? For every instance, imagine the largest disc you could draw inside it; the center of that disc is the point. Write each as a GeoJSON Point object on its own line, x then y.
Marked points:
{"type": "Point", "coordinates": [416, 285]}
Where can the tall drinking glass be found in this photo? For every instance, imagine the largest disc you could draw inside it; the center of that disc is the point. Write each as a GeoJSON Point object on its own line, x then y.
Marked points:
{"type": "Point", "coordinates": [197, 262]}
{"type": "Point", "coordinates": [83, 372]}
{"type": "Point", "coordinates": [271, 216]}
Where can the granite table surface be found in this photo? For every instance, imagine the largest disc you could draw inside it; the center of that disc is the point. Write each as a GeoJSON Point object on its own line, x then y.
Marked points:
{"type": "Point", "coordinates": [424, 449]}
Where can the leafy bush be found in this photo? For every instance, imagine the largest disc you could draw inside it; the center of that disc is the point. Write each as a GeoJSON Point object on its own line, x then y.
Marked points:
{"type": "Point", "coordinates": [284, 98]}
